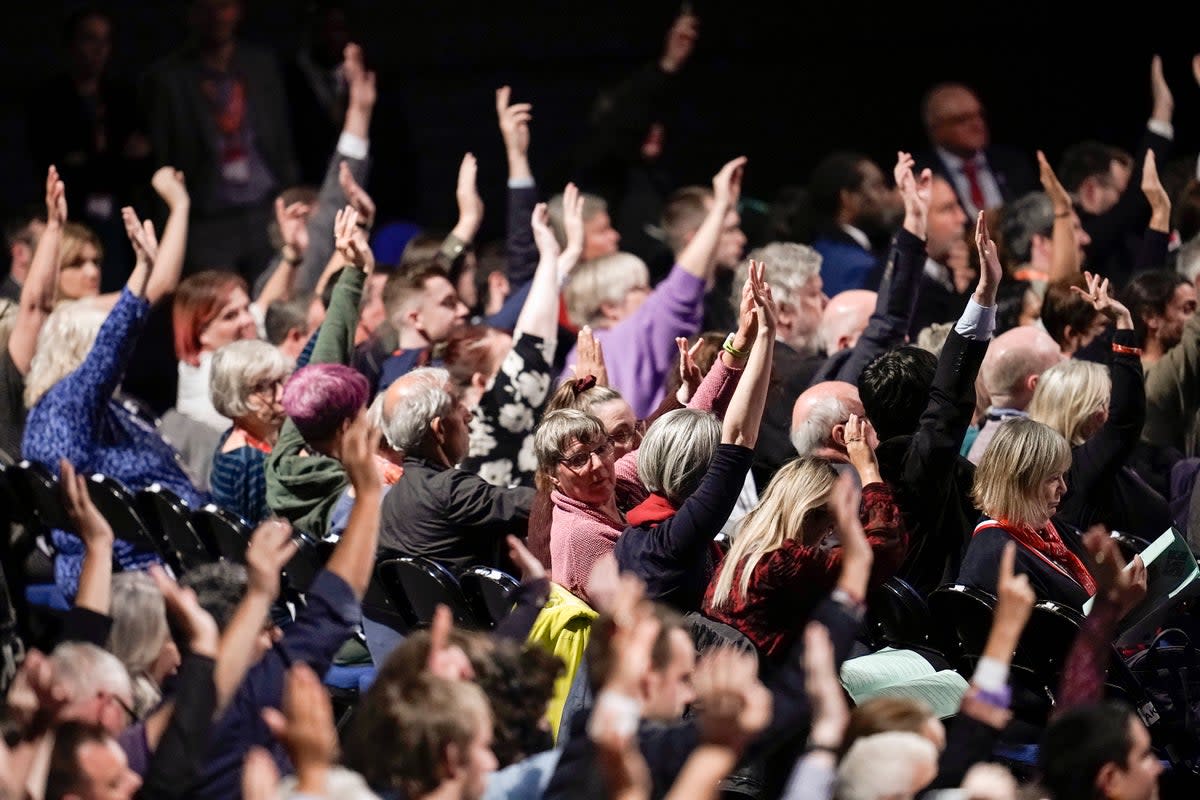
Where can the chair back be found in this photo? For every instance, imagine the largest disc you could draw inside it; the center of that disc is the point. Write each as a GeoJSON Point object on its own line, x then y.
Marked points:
{"type": "Point", "coordinates": [309, 559]}
{"type": "Point", "coordinates": [1046, 640]}
{"type": "Point", "coordinates": [170, 519]}
{"type": "Point", "coordinates": [119, 507]}
{"type": "Point", "coordinates": [489, 593]}
{"type": "Point", "coordinates": [898, 616]}
{"type": "Point", "coordinates": [420, 585]}
{"type": "Point", "coordinates": [36, 482]}
{"type": "Point", "coordinates": [708, 633]}
{"type": "Point", "coordinates": [966, 614]}
{"type": "Point", "coordinates": [223, 532]}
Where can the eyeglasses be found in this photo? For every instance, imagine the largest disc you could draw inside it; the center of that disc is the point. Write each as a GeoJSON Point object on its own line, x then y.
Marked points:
{"type": "Point", "coordinates": [626, 437]}
{"type": "Point", "coordinates": [582, 459]}
{"type": "Point", "coordinates": [133, 717]}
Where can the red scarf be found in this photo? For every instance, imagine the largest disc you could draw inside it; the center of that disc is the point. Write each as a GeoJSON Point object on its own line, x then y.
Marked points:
{"type": "Point", "coordinates": [258, 444]}
{"type": "Point", "coordinates": [653, 510]}
{"type": "Point", "coordinates": [1047, 545]}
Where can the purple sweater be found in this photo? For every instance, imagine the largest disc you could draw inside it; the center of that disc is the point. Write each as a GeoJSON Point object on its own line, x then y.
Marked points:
{"type": "Point", "coordinates": [640, 350]}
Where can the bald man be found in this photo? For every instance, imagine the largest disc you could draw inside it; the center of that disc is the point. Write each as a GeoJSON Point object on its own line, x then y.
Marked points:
{"type": "Point", "coordinates": [819, 420]}
{"type": "Point", "coordinates": [845, 318]}
{"type": "Point", "coordinates": [1009, 374]}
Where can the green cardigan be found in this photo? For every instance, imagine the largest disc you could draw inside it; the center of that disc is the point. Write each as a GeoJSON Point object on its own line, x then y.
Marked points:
{"type": "Point", "coordinates": [304, 488]}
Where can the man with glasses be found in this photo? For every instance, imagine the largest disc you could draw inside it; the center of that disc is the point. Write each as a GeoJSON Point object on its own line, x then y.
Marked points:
{"type": "Point", "coordinates": [96, 684]}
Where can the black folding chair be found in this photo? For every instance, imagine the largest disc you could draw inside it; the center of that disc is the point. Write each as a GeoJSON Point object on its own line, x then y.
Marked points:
{"type": "Point", "coordinates": [39, 485]}
{"type": "Point", "coordinates": [897, 616]}
{"type": "Point", "coordinates": [418, 586]}
{"type": "Point", "coordinates": [489, 593]}
{"type": "Point", "coordinates": [302, 568]}
{"type": "Point", "coordinates": [223, 532]}
{"type": "Point", "coordinates": [1046, 641]}
{"type": "Point", "coordinates": [965, 616]}
{"type": "Point", "coordinates": [119, 507]}
{"type": "Point", "coordinates": [168, 517]}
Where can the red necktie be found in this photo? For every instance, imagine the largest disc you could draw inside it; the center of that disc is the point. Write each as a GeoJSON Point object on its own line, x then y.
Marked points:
{"type": "Point", "coordinates": [971, 172]}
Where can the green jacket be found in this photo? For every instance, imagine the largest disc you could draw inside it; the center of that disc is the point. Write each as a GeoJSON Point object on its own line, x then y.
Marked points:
{"type": "Point", "coordinates": [303, 488]}
{"type": "Point", "coordinates": [1173, 395]}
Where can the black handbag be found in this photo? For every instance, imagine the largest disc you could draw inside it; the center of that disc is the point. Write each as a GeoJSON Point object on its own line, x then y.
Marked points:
{"type": "Point", "coordinates": [1163, 681]}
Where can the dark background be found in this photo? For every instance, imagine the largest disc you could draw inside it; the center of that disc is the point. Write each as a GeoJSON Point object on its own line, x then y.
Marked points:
{"type": "Point", "coordinates": [781, 83]}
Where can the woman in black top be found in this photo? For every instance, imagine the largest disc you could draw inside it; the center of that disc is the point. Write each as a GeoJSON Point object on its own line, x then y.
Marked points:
{"type": "Point", "coordinates": [1101, 416]}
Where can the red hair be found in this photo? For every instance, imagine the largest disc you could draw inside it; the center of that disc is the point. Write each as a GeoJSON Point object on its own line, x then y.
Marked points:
{"type": "Point", "coordinates": [198, 301]}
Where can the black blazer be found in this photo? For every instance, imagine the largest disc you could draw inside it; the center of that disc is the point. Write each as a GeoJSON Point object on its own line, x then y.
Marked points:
{"type": "Point", "coordinates": [1013, 169]}
{"type": "Point", "coordinates": [982, 560]}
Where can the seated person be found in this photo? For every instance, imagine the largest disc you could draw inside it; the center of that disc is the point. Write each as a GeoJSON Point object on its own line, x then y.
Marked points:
{"type": "Point", "coordinates": [1019, 483]}
{"type": "Point", "coordinates": [246, 387]}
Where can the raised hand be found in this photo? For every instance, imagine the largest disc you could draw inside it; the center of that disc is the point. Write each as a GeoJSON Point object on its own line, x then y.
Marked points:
{"type": "Point", "coordinates": [732, 704]}
{"type": "Point", "coordinates": [915, 193]}
{"type": "Point", "coordinates": [36, 696]}
{"type": "Point", "coordinates": [168, 182]}
{"type": "Point", "coordinates": [1098, 295]}
{"type": "Point", "coordinates": [357, 196]}
{"type": "Point", "coordinates": [1156, 195]}
{"type": "Point", "coordinates": [514, 122]}
{"type": "Point", "coordinates": [360, 81]}
{"type": "Point", "coordinates": [56, 198]}
{"type": "Point", "coordinates": [145, 248]}
{"type": "Point", "coordinates": [201, 629]}
{"type": "Point", "coordinates": [591, 357]}
{"type": "Point", "coordinates": [844, 504]}
{"type": "Point", "coordinates": [573, 225]}
{"type": "Point", "coordinates": [470, 204]}
{"type": "Point", "coordinates": [360, 444]}
{"type": "Point", "coordinates": [681, 41]}
{"type": "Point", "coordinates": [90, 524]}
{"type": "Point", "coordinates": [351, 241]}
{"type": "Point", "coordinates": [305, 728]}
{"type": "Point", "coordinates": [689, 374]}
{"type": "Point", "coordinates": [1052, 186]}
{"type": "Point", "coordinates": [446, 660]}
{"type": "Point", "coordinates": [1122, 587]}
{"type": "Point", "coordinates": [271, 547]}
{"type": "Point", "coordinates": [825, 695]}
{"type": "Point", "coordinates": [747, 330]}
{"type": "Point", "coordinates": [860, 438]}
{"type": "Point", "coordinates": [764, 301]}
{"type": "Point", "coordinates": [543, 235]}
{"type": "Point", "coordinates": [727, 183]}
{"type": "Point", "coordinates": [292, 221]}
{"type": "Point", "coordinates": [990, 271]}
{"type": "Point", "coordinates": [1163, 107]}
{"type": "Point", "coordinates": [531, 569]}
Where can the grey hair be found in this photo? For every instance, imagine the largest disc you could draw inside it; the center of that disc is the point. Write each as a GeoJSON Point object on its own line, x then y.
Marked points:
{"type": "Point", "coordinates": [933, 337]}
{"type": "Point", "coordinates": [421, 398]}
{"type": "Point", "coordinates": [558, 429]}
{"type": "Point", "coordinates": [606, 279]}
{"type": "Point", "coordinates": [1029, 215]}
{"type": "Point", "coordinates": [790, 266]}
{"type": "Point", "coordinates": [238, 369]}
{"type": "Point", "coordinates": [1187, 260]}
{"type": "Point", "coordinates": [593, 204]}
{"type": "Point", "coordinates": [139, 633]}
{"type": "Point", "coordinates": [888, 764]}
{"type": "Point", "coordinates": [84, 670]}
{"type": "Point", "coordinates": [676, 452]}
{"type": "Point", "coordinates": [817, 428]}
{"type": "Point", "coordinates": [63, 343]}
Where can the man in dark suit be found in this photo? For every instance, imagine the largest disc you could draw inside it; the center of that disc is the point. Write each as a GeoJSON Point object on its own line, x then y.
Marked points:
{"type": "Point", "coordinates": [983, 175]}
{"type": "Point", "coordinates": [217, 111]}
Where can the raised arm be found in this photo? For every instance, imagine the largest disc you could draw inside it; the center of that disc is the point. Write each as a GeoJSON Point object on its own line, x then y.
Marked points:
{"type": "Point", "coordinates": [292, 222]}
{"type": "Point", "coordinates": [1157, 238]}
{"type": "Point", "coordinates": [335, 342]}
{"type": "Point", "coordinates": [168, 265]}
{"type": "Point", "coordinates": [1064, 255]}
{"type": "Point", "coordinates": [353, 559]}
{"type": "Point", "coordinates": [514, 119]}
{"type": "Point", "coordinates": [352, 151]}
{"type": "Point", "coordinates": [95, 578]}
{"type": "Point", "coordinates": [744, 414]}
{"type": "Point", "coordinates": [41, 284]}
{"type": "Point", "coordinates": [539, 315]}
{"type": "Point", "coordinates": [697, 256]}
{"type": "Point", "coordinates": [470, 214]}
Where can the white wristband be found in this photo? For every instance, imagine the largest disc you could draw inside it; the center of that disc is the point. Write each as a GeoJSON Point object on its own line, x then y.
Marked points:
{"type": "Point", "coordinates": [614, 712]}
{"type": "Point", "coordinates": [990, 675]}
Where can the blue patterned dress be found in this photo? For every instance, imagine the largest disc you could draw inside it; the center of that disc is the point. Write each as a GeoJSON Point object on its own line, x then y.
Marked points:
{"type": "Point", "coordinates": [79, 420]}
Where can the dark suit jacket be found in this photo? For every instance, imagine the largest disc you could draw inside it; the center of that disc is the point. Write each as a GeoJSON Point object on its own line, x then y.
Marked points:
{"type": "Point", "coordinates": [182, 130]}
{"type": "Point", "coordinates": [1014, 169]}
{"type": "Point", "coordinates": [980, 567]}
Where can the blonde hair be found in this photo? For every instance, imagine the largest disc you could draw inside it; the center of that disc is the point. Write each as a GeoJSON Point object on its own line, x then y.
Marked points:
{"type": "Point", "coordinates": [139, 633]}
{"type": "Point", "coordinates": [75, 237]}
{"type": "Point", "coordinates": [1022, 455]}
{"type": "Point", "coordinates": [1068, 394]}
{"type": "Point", "coordinates": [62, 345]}
{"type": "Point", "coordinates": [602, 280]}
{"type": "Point", "coordinates": [800, 488]}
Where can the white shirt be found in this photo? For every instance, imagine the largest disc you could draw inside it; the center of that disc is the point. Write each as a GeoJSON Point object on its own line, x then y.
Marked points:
{"type": "Point", "coordinates": [193, 399]}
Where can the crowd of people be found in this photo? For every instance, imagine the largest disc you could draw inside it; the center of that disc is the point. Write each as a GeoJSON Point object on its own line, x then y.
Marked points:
{"type": "Point", "coordinates": [704, 467]}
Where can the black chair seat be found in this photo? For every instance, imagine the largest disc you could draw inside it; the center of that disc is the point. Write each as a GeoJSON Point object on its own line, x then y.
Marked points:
{"type": "Point", "coordinates": [965, 615]}
{"type": "Point", "coordinates": [37, 483]}
{"type": "Point", "coordinates": [168, 518]}
{"type": "Point", "coordinates": [223, 532]}
{"type": "Point", "coordinates": [489, 593]}
{"type": "Point", "coordinates": [303, 567]}
{"type": "Point", "coordinates": [417, 586]}
{"type": "Point", "coordinates": [1046, 640]}
{"type": "Point", "coordinates": [898, 616]}
{"type": "Point", "coordinates": [118, 505]}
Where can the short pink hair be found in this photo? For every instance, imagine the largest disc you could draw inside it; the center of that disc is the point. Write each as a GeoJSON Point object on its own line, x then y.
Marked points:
{"type": "Point", "coordinates": [319, 398]}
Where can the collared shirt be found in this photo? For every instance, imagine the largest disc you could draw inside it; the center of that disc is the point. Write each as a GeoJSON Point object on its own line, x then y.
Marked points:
{"type": "Point", "coordinates": [857, 235]}
{"type": "Point", "coordinates": [962, 187]}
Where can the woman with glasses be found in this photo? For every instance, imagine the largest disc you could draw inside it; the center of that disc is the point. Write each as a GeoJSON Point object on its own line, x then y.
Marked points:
{"type": "Point", "coordinates": [247, 387]}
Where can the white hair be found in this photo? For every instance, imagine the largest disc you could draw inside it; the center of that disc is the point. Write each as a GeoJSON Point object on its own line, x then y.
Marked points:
{"type": "Point", "coordinates": [790, 266]}
{"type": "Point", "coordinates": [85, 670]}
{"type": "Point", "coordinates": [139, 633]}
{"type": "Point", "coordinates": [607, 279]}
{"type": "Point", "coordinates": [893, 764]}
{"type": "Point", "coordinates": [419, 398]}
{"type": "Point", "coordinates": [62, 345]}
{"type": "Point", "coordinates": [817, 428]}
{"type": "Point", "coordinates": [340, 784]}
{"type": "Point", "coordinates": [677, 451]}
{"type": "Point", "coordinates": [241, 368]}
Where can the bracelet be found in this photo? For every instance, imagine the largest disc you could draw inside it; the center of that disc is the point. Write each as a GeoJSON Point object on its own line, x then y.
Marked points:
{"type": "Point", "coordinates": [289, 254]}
{"type": "Point", "coordinates": [1062, 215]}
{"type": "Point", "coordinates": [816, 747]}
{"type": "Point", "coordinates": [733, 351]}
{"type": "Point", "coordinates": [1126, 350]}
